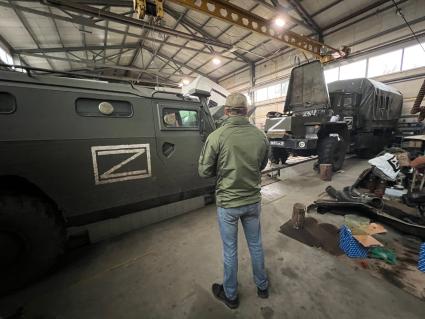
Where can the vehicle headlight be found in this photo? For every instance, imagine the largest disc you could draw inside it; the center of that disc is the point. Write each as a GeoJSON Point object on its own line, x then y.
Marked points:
{"type": "Point", "coordinates": [301, 144]}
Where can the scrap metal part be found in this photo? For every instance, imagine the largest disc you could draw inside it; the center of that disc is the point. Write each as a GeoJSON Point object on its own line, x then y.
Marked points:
{"type": "Point", "coordinates": [405, 225]}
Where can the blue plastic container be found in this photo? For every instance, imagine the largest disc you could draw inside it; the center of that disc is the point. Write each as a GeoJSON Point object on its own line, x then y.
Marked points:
{"type": "Point", "coordinates": [351, 247]}
{"type": "Point", "coordinates": [421, 263]}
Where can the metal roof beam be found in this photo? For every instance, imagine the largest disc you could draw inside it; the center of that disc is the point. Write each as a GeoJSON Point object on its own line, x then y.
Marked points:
{"type": "Point", "coordinates": [91, 65]}
{"type": "Point", "coordinates": [356, 14]}
{"type": "Point", "coordinates": [325, 8]}
{"type": "Point", "coordinates": [101, 47]}
{"type": "Point", "coordinates": [88, 23]}
{"type": "Point", "coordinates": [137, 51]}
{"type": "Point", "coordinates": [233, 14]}
{"type": "Point", "coordinates": [30, 31]}
{"type": "Point", "coordinates": [7, 44]}
{"type": "Point", "coordinates": [112, 3]}
{"type": "Point", "coordinates": [176, 62]}
{"type": "Point", "coordinates": [201, 31]}
{"type": "Point", "coordinates": [342, 20]}
{"type": "Point", "coordinates": [282, 12]}
{"type": "Point", "coordinates": [223, 32]}
{"type": "Point", "coordinates": [178, 51]}
{"type": "Point", "coordinates": [118, 18]}
{"type": "Point", "coordinates": [302, 12]}
{"type": "Point", "coordinates": [124, 38]}
{"type": "Point", "coordinates": [59, 35]}
{"type": "Point", "coordinates": [165, 40]}
{"type": "Point", "coordinates": [142, 81]}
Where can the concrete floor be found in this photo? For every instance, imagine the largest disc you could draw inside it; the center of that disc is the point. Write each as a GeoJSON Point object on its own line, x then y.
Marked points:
{"type": "Point", "coordinates": [166, 270]}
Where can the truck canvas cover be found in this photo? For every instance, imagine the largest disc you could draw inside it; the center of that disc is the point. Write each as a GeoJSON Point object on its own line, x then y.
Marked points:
{"type": "Point", "coordinates": [378, 102]}
{"type": "Point", "coordinates": [307, 88]}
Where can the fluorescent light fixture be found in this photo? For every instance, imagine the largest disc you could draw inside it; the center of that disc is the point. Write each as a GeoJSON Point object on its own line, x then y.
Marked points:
{"type": "Point", "coordinates": [279, 22]}
{"type": "Point", "coordinates": [216, 61]}
{"type": "Point", "coordinates": [186, 81]}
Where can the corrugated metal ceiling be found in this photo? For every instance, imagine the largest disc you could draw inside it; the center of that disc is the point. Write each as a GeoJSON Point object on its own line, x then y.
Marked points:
{"type": "Point", "coordinates": [64, 40]}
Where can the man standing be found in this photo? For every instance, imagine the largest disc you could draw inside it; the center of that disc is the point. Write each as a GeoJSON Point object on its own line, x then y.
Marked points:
{"type": "Point", "coordinates": [235, 154]}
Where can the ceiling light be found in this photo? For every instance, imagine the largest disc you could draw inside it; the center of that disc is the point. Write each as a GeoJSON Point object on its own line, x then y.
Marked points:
{"type": "Point", "coordinates": [279, 22]}
{"type": "Point", "coordinates": [216, 61]}
{"type": "Point", "coordinates": [180, 84]}
{"type": "Point", "coordinates": [186, 81]}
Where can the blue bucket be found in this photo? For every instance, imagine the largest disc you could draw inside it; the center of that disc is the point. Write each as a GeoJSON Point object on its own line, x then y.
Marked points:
{"type": "Point", "coordinates": [350, 245]}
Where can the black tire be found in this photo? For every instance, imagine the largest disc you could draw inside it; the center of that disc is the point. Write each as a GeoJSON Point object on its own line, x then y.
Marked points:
{"type": "Point", "coordinates": [331, 150]}
{"type": "Point", "coordinates": [278, 155]}
{"type": "Point", "coordinates": [31, 240]}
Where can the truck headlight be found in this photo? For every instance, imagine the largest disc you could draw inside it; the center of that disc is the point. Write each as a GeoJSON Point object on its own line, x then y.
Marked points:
{"type": "Point", "coordinates": [301, 144]}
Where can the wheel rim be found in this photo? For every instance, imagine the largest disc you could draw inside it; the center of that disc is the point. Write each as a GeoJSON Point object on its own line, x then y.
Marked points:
{"type": "Point", "coordinates": [11, 248]}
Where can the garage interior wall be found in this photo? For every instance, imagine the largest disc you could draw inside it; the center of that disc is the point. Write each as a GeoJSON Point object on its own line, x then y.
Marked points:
{"type": "Point", "coordinates": [370, 34]}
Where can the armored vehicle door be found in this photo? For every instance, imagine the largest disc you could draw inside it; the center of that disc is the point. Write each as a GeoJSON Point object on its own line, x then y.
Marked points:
{"type": "Point", "coordinates": [307, 90]}
{"type": "Point", "coordinates": [179, 143]}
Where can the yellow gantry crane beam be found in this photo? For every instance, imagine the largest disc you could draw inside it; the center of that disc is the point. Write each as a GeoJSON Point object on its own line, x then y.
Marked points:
{"type": "Point", "coordinates": [235, 15]}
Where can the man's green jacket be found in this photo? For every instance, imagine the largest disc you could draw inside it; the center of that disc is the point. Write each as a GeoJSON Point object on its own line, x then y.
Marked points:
{"type": "Point", "coordinates": [235, 153]}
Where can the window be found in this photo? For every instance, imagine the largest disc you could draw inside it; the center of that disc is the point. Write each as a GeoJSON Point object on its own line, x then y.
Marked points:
{"type": "Point", "coordinates": [102, 108]}
{"type": "Point", "coordinates": [285, 85]}
{"type": "Point", "coordinates": [331, 75]}
{"type": "Point", "coordinates": [274, 91]}
{"type": "Point", "coordinates": [174, 118]}
{"type": "Point", "coordinates": [261, 95]}
{"type": "Point", "coordinates": [7, 103]}
{"type": "Point", "coordinates": [384, 64]}
{"type": "Point", "coordinates": [5, 57]}
{"type": "Point", "coordinates": [353, 70]}
{"type": "Point", "coordinates": [414, 57]}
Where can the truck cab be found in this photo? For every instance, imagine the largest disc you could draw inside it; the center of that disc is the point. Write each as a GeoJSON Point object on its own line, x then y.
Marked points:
{"type": "Point", "coordinates": [356, 115]}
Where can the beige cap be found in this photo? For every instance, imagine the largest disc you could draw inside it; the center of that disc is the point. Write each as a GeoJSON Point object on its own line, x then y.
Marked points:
{"type": "Point", "coordinates": [236, 101]}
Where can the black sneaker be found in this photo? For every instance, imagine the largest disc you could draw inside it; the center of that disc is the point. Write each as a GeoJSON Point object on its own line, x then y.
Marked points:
{"type": "Point", "coordinates": [263, 293]}
{"type": "Point", "coordinates": [218, 292]}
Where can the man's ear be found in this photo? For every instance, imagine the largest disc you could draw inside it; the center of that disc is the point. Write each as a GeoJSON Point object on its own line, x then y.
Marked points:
{"type": "Point", "coordinates": [226, 111]}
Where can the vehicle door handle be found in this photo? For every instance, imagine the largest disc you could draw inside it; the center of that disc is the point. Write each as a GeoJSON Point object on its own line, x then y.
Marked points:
{"type": "Point", "coordinates": [168, 149]}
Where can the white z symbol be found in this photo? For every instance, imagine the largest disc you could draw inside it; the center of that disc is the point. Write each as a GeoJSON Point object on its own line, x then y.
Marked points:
{"type": "Point", "coordinates": [110, 176]}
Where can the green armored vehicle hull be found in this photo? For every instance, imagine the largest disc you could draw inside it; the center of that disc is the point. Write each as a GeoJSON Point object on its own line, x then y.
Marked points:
{"type": "Point", "coordinates": [358, 115]}
{"type": "Point", "coordinates": [75, 152]}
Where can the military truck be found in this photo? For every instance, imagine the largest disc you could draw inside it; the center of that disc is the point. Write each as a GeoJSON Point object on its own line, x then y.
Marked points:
{"type": "Point", "coordinates": [75, 152]}
{"type": "Point", "coordinates": [358, 115]}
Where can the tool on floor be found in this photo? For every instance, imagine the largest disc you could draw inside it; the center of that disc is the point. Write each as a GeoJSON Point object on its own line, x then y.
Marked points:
{"type": "Point", "coordinates": [325, 172]}
{"type": "Point", "coordinates": [298, 216]}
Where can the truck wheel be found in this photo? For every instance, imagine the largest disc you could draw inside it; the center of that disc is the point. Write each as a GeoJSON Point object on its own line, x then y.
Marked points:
{"type": "Point", "coordinates": [332, 151]}
{"type": "Point", "coordinates": [278, 155]}
{"type": "Point", "coordinates": [31, 240]}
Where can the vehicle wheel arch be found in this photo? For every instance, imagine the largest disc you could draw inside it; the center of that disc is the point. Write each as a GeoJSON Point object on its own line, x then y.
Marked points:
{"type": "Point", "coordinates": [15, 184]}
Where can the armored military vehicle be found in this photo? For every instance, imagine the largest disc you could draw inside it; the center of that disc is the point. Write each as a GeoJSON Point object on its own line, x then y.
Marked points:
{"type": "Point", "coordinates": [358, 115]}
{"type": "Point", "coordinates": [75, 152]}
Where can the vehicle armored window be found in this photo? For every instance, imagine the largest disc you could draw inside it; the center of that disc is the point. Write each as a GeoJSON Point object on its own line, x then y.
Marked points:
{"type": "Point", "coordinates": [103, 108]}
{"type": "Point", "coordinates": [7, 103]}
{"type": "Point", "coordinates": [180, 118]}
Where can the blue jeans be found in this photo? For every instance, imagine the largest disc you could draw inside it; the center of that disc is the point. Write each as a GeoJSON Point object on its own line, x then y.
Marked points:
{"type": "Point", "coordinates": [228, 221]}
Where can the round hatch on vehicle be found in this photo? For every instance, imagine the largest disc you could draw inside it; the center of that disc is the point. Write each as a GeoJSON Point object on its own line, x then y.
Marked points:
{"type": "Point", "coordinates": [106, 108]}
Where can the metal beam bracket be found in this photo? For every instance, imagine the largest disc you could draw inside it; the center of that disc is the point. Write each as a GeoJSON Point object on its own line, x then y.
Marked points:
{"type": "Point", "coordinates": [230, 13]}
